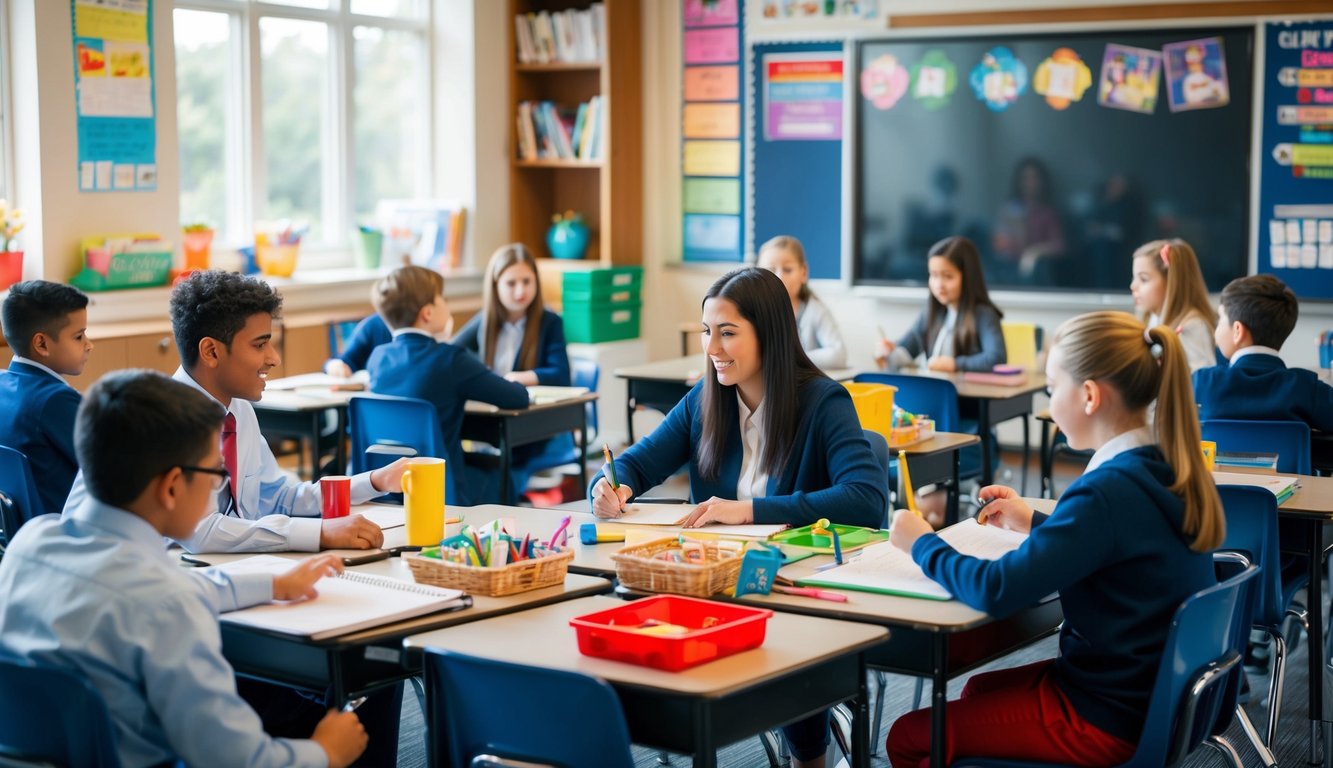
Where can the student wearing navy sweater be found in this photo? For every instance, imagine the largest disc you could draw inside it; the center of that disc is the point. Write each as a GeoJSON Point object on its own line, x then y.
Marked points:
{"type": "Point", "coordinates": [767, 437]}
{"type": "Point", "coordinates": [414, 364]}
{"type": "Point", "coordinates": [1127, 543]}
{"type": "Point", "coordinates": [1255, 317]}
{"type": "Point", "coordinates": [46, 325]}
{"type": "Point", "coordinates": [368, 334]}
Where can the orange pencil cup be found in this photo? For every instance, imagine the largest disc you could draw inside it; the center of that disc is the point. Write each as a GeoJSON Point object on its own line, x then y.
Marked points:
{"type": "Point", "coordinates": [1209, 449]}
{"type": "Point", "coordinates": [277, 260]}
{"type": "Point", "coordinates": [196, 245]}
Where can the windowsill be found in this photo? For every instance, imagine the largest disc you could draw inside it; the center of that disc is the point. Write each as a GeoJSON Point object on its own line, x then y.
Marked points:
{"type": "Point", "coordinates": [302, 292]}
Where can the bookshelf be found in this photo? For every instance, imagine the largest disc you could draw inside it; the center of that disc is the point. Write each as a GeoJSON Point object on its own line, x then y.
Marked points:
{"type": "Point", "coordinates": [606, 189]}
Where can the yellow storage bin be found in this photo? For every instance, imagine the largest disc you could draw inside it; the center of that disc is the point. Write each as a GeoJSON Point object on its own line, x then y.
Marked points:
{"type": "Point", "coordinates": [874, 406]}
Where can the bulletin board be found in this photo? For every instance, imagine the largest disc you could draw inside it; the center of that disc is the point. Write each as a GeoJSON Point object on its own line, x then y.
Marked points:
{"type": "Point", "coordinates": [797, 132]}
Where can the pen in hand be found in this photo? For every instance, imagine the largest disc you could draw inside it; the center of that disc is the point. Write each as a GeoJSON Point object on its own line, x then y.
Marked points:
{"type": "Point", "coordinates": [610, 466]}
{"type": "Point", "coordinates": [982, 514]}
{"type": "Point", "coordinates": [352, 704]}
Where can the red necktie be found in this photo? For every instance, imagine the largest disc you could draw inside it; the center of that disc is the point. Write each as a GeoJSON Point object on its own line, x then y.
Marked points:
{"type": "Point", "coordinates": [229, 449]}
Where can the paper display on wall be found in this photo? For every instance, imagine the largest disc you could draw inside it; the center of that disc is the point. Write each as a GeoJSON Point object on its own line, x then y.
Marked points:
{"type": "Point", "coordinates": [113, 79]}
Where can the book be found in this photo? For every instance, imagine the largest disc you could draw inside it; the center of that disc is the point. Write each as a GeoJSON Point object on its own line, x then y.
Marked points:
{"type": "Point", "coordinates": [888, 570]}
{"type": "Point", "coordinates": [1000, 379]}
{"type": "Point", "coordinates": [346, 603]}
{"type": "Point", "coordinates": [672, 515]}
{"type": "Point", "coordinates": [540, 393]}
{"type": "Point", "coordinates": [1245, 459]}
{"type": "Point", "coordinates": [1281, 486]}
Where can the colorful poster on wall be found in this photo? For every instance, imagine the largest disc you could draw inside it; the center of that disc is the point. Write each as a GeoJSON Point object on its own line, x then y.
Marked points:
{"type": "Point", "coordinates": [1196, 74]}
{"type": "Point", "coordinates": [805, 10]}
{"type": "Point", "coordinates": [712, 130]}
{"type": "Point", "coordinates": [884, 81]}
{"type": "Point", "coordinates": [803, 95]}
{"type": "Point", "coordinates": [1062, 78]}
{"type": "Point", "coordinates": [934, 79]}
{"type": "Point", "coordinates": [1129, 78]}
{"type": "Point", "coordinates": [999, 79]}
{"type": "Point", "coordinates": [1295, 233]}
{"type": "Point", "coordinates": [113, 79]}
{"type": "Point", "coordinates": [712, 13]}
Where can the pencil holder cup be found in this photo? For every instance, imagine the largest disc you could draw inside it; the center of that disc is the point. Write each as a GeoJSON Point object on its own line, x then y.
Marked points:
{"type": "Point", "coordinates": [277, 260]}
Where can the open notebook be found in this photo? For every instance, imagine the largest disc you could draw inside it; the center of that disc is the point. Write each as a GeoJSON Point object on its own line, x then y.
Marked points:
{"type": "Point", "coordinates": [672, 515]}
{"type": "Point", "coordinates": [347, 603]}
{"type": "Point", "coordinates": [886, 569]}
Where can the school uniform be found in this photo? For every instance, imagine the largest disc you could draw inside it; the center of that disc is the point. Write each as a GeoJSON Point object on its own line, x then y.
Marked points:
{"type": "Point", "coordinates": [552, 367]}
{"type": "Point", "coordinates": [819, 335]}
{"type": "Point", "coordinates": [416, 365]}
{"type": "Point", "coordinates": [831, 473]}
{"type": "Point", "coordinates": [96, 593]}
{"type": "Point", "coordinates": [368, 334]}
{"type": "Point", "coordinates": [1258, 385]}
{"type": "Point", "coordinates": [37, 410]}
{"type": "Point", "coordinates": [920, 339]}
{"type": "Point", "coordinates": [1115, 552]}
{"type": "Point", "coordinates": [272, 511]}
{"type": "Point", "coordinates": [1196, 336]}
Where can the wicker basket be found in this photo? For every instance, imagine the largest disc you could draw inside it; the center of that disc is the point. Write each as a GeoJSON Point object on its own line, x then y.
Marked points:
{"type": "Point", "coordinates": [523, 576]}
{"type": "Point", "coordinates": [636, 568]}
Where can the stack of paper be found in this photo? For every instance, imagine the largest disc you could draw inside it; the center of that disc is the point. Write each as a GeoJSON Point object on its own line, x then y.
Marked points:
{"type": "Point", "coordinates": [1281, 486]}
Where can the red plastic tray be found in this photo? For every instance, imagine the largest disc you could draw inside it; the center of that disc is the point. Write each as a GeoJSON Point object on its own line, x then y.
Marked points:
{"type": "Point", "coordinates": [612, 634]}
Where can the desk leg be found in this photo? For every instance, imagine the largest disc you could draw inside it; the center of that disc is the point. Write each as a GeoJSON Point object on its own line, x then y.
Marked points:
{"type": "Point", "coordinates": [316, 424]}
{"type": "Point", "coordinates": [705, 751]}
{"type": "Point", "coordinates": [983, 430]}
{"type": "Point", "coordinates": [1046, 490]}
{"type": "Point", "coordinates": [861, 720]}
{"type": "Point", "coordinates": [955, 496]}
{"type": "Point", "coordinates": [1316, 649]}
{"type": "Point", "coordinates": [506, 465]}
{"type": "Point", "coordinates": [583, 457]}
{"type": "Point", "coordinates": [939, 697]}
{"type": "Point", "coordinates": [340, 450]}
{"type": "Point", "coordinates": [629, 412]}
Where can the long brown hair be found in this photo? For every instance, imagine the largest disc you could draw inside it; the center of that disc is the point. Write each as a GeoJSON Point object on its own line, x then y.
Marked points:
{"type": "Point", "coordinates": [962, 254]}
{"type": "Point", "coordinates": [762, 299]}
{"type": "Point", "coordinates": [1186, 293]}
{"type": "Point", "coordinates": [793, 246]}
{"type": "Point", "coordinates": [493, 313]}
{"type": "Point", "coordinates": [1113, 348]}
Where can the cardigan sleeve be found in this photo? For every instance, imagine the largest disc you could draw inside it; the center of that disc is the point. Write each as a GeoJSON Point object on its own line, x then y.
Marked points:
{"type": "Point", "coordinates": [818, 326]}
{"type": "Point", "coordinates": [911, 344]}
{"type": "Point", "coordinates": [644, 465]}
{"type": "Point", "coordinates": [1197, 338]}
{"type": "Point", "coordinates": [553, 357]}
{"type": "Point", "coordinates": [990, 334]}
{"type": "Point", "coordinates": [469, 337]}
{"type": "Point", "coordinates": [368, 334]}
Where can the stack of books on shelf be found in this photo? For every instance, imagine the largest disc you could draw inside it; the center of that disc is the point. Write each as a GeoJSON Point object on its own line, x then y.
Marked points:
{"type": "Point", "coordinates": [564, 36]}
{"type": "Point", "coordinates": [549, 132]}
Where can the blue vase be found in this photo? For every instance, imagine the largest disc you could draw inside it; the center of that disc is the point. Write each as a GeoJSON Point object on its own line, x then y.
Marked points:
{"type": "Point", "coordinates": [567, 239]}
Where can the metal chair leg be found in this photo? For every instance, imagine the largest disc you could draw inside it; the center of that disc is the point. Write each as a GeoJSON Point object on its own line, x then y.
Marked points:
{"type": "Point", "coordinates": [916, 696]}
{"type": "Point", "coordinates": [1228, 752]}
{"type": "Point", "coordinates": [877, 719]}
{"type": "Point", "coordinates": [1278, 665]}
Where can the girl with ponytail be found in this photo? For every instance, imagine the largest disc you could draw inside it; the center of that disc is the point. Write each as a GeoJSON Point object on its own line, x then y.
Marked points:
{"type": "Point", "coordinates": [1126, 544]}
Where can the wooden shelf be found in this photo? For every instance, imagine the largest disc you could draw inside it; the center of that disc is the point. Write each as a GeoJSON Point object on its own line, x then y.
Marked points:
{"type": "Point", "coordinates": [558, 163]}
{"type": "Point", "coordinates": [560, 66]}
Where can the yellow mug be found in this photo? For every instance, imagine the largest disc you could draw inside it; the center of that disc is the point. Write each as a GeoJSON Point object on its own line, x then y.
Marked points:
{"type": "Point", "coordinates": [1209, 454]}
{"type": "Point", "coordinates": [423, 501]}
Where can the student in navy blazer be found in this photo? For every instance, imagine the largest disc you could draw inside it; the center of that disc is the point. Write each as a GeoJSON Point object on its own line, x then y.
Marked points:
{"type": "Point", "coordinates": [767, 438]}
{"type": "Point", "coordinates": [1128, 542]}
{"type": "Point", "coordinates": [1256, 315]}
{"type": "Point", "coordinates": [46, 325]}
{"type": "Point", "coordinates": [414, 364]}
{"type": "Point", "coordinates": [368, 334]}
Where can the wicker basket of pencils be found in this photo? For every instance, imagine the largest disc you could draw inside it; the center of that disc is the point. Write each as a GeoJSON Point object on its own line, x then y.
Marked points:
{"type": "Point", "coordinates": [522, 576]}
{"type": "Point", "coordinates": [641, 567]}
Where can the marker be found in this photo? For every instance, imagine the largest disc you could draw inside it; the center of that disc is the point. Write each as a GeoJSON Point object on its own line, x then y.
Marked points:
{"type": "Point", "coordinates": [610, 465]}
{"type": "Point", "coordinates": [592, 533]}
{"type": "Point", "coordinates": [818, 594]}
{"type": "Point", "coordinates": [559, 529]}
{"type": "Point", "coordinates": [351, 705]}
{"type": "Point", "coordinates": [907, 483]}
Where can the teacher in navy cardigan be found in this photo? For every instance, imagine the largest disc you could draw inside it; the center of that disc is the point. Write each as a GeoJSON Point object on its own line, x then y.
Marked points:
{"type": "Point", "coordinates": [768, 438]}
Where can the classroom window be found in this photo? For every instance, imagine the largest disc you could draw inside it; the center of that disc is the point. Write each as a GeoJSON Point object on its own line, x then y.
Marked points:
{"type": "Point", "coordinates": [5, 132]}
{"type": "Point", "coordinates": [309, 111]}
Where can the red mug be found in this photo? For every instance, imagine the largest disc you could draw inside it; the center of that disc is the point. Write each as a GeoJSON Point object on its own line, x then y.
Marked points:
{"type": "Point", "coordinates": [335, 492]}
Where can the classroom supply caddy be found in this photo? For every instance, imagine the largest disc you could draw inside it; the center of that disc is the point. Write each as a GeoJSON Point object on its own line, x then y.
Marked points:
{"type": "Point", "coordinates": [111, 262]}
{"type": "Point", "coordinates": [874, 406]}
{"type": "Point", "coordinates": [641, 567]}
{"type": "Point", "coordinates": [602, 304]}
{"type": "Point", "coordinates": [496, 581]}
{"type": "Point", "coordinates": [670, 632]}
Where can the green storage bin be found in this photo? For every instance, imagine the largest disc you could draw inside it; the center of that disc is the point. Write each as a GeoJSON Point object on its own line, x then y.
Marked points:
{"type": "Point", "coordinates": [601, 283]}
{"type": "Point", "coordinates": [593, 323]}
{"type": "Point", "coordinates": [618, 296]}
{"type": "Point", "coordinates": [124, 270]}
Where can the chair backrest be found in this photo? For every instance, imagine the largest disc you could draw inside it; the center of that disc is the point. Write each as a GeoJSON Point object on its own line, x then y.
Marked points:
{"type": "Point", "coordinates": [17, 483]}
{"type": "Point", "coordinates": [586, 373]}
{"type": "Point", "coordinates": [339, 332]}
{"type": "Point", "coordinates": [1022, 342]}
{"type": "Point", "coordinates": [482, 706]}
{"type": "Point", "coordinates": [51, 715]}
{"type": "Point", "coordinates": [880, 447]}
{"type": "Point", "coordinates": [1251, 515]}
{"type": "Point", "coordinates": [401, 426]}
{"type": "Point", "coordinates": [937, 398]}
{"type": "Point", "coordinates": [1290, 440]}
{"type": "Point", "coordinates": [1190, 691]}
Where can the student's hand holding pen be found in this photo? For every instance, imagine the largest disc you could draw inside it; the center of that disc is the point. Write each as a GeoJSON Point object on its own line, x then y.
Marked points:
{"type": "Point", "coordinates": [717, 510]}
{"type": "Point", "coordinates": [299, 583]}
{"type": "Point", "coordinates": [1001, 506]}
{"type": "Point", "coordinates": [609, 502]}
{"type": "Point", "coordinates": [907, 527]}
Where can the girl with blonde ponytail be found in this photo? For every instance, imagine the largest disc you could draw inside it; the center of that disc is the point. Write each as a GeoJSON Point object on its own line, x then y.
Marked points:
{"type": "Point", "coordinates": [1126, 544]}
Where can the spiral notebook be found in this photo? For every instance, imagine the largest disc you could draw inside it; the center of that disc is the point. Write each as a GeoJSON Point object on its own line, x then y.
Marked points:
{"type": "Point", "coordinates": [346, 603]}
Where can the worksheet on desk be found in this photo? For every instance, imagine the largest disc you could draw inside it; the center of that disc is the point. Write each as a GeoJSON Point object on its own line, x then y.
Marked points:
{"type": "Point", "coordinates": [674, 514]}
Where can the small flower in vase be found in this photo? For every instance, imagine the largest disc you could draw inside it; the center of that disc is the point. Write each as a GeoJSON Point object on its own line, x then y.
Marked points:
{"type": "Point", "coordinates": [11, 223]}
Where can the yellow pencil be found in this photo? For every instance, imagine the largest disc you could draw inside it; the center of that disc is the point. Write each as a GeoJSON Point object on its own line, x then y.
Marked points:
{"type": "Point", "coordinates": [907, 483]}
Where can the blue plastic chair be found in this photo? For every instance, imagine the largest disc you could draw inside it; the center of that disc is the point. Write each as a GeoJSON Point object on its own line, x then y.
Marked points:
{"type": "Point", "coordinates": [339, 332]}
{"type": "Point", "coordinates": [562, 450]}
{"type": "Point", "coordinates": [548, 716]}
{"type": "Point", "coordinates": [50, 715]}
{"type": "Point", "coordinates": [386, 428]}
{"type": "Point", "coordinates": [17, 483]}
{"type": "Point", "coordinates": [1194, 687]}
{"type": "Point", "coordinates": [1290, 440]}
{"type": "Point", "coordinates": [1251, 515]}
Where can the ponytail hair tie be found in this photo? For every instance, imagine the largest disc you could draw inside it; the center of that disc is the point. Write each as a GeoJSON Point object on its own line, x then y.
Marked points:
{"type": "Point", "coordinates": [1166, 255]}
{"type": "Point", "coordinates": [1155, 348]}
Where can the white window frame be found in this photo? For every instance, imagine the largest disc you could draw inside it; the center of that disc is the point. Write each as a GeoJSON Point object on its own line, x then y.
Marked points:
{"type": "Point", "coordinates": [246, 196]}
{"type": "Point", "coordinates": [7, 178]}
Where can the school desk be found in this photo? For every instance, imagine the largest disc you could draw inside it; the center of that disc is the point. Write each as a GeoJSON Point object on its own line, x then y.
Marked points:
{"type": "Point", "coordinates": [1311, 508]}
{"type": "Point", "coordinates": [353, 664]}
{"type": "Point", "coordinates": [300, 414]}
{"type": "Point", "coordinates": [935, 639]}
{"type": "Point", "coordinates": [805, 665]}
{"type": "Point", "coordinates": [662, 384]}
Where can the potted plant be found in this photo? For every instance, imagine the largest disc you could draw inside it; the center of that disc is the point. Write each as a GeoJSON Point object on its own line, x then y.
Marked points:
{"type": "Point", "coordinates": [11, 259]}
{"type": "Point", "coordinates": [196, 241]}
